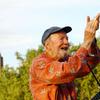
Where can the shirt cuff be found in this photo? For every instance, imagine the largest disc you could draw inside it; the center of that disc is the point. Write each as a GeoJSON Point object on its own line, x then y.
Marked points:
{"type": "Point", "coordinates": [82, 52]}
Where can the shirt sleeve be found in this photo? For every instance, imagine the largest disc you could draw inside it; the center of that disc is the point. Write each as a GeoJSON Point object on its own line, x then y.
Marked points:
{"type": "Point", "coordinates": [56, 72]}
{"type": "Point", "coordinates": [91, 61]}
{"type": "Point", "coordinates": [94, 52]}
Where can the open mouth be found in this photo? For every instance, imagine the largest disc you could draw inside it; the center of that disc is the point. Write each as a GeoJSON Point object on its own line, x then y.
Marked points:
{"type": "Point", "coordinates": [64, 48]}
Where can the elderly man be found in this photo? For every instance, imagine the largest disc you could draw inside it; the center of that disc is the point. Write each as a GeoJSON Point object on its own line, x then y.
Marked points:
{"type": "Point", "coordinates": [52, 73]}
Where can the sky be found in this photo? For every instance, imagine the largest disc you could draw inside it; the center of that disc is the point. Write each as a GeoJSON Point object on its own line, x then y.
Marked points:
{"type": "Point", "coordinates": [22, 23]}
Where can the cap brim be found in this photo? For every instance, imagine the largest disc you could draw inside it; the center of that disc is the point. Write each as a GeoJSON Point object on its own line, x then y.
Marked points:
{"type": "Point", "coordinates": [66, 29]}
{"type": "Point", "coordinates": [53, 30]}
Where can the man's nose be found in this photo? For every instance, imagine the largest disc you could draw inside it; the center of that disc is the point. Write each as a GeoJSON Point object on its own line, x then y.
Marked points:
{"type": "Point", "coordinates": [66, 41]}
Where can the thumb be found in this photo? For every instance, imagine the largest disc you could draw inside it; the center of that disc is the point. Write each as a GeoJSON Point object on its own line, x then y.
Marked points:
{"type": "Point", "coordinates": [88, 19]}
{"type": "Point", "coordinates": [98, 16]}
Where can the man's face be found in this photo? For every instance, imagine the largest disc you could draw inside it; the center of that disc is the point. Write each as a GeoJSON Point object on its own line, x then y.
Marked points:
{"type": "Point", "coordinates": [58, 45]}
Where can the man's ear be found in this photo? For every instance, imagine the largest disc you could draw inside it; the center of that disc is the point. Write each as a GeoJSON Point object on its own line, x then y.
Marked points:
{"type": "Point", "coordinates": [46, 45]}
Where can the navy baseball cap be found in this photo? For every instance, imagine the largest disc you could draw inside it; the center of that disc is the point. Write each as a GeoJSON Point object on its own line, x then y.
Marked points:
{"type": "Point", "coordinates": [53, 30]}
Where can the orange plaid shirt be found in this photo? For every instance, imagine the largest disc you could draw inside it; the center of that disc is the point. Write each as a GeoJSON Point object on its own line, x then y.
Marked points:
{"type": "Point", "coordinates": [53, 80]}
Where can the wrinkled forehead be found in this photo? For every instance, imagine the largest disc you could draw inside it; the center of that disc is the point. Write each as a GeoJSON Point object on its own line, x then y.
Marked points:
{"type": "Point", "coordinates": [58, 35]}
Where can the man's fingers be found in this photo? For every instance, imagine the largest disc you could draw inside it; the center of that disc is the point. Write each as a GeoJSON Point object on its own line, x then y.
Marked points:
{"type": "Point", "coordinates": [96, 21]}
{"type": "Point", "coordinates": [88, 19]}
{"type": "Point", "coordinates": [97, 17]}
{"type": "Point", "coordinates": [94, 24]}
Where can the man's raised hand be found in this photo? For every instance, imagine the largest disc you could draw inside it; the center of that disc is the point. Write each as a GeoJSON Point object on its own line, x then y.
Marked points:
{"type": "Point", "coordinates": [91, 27]}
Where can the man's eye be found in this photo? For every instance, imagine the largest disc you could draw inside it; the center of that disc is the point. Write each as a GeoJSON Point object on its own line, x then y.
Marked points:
{"type": "Point", "coordinates": [61, 38]}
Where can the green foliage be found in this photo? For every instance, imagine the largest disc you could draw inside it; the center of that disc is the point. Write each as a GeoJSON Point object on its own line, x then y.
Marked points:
{"type": "Point", "coordinates": [10, 87]}
{"type": "Point", "coordinates": [14, 83]}
{"type": "Point", "coordinates": [98, 41]}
